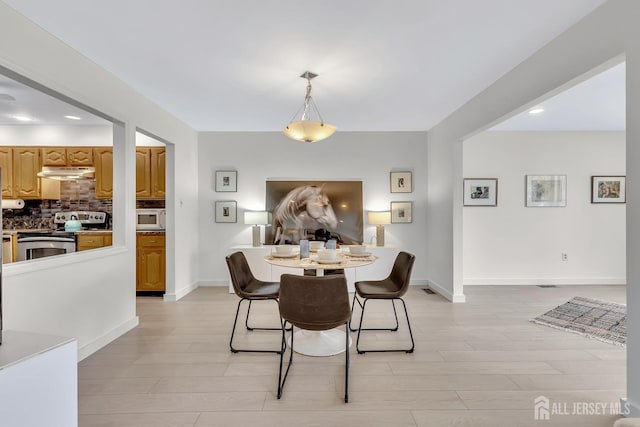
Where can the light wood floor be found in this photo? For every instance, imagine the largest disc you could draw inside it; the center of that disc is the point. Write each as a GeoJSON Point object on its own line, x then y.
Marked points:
{"type": "Point", "coordinates": [481, 363]}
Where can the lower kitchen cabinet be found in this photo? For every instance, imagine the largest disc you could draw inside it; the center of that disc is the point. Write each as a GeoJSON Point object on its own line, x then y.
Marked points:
{"type": "Point", "coordinates": [92, 241]}
{"type": "Point", "coordinates": [151, 262]}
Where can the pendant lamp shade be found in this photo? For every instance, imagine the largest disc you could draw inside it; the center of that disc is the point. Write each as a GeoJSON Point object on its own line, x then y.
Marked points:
{"type": "Point", "coordinates": [306, 129]}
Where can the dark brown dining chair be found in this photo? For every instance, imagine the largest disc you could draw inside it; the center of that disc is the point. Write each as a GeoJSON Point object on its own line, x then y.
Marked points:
{"type": "Point", "coordinates": [315, 304]}
{"type": "Point", "coordinates": [250, 289]}
{"type": "Point", "coordinates": [392, 288]}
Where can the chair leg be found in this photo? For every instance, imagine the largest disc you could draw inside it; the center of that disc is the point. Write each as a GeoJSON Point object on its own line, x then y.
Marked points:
{"type": "Point", "coordinates": [346, 364]}
{"type": "Point", "coordinates": [355, 298]}
{"type": "Point", "coordinates": [406, 313]}
{"type": "Point", "coordinates": [233, 331]}
{"type": "Point", "coordinates": [410, 350]}
{"type": "Point", "coordinates": [246, 321]}
{"type": "Point", "coordinates": [353, 304]}
{"type": "Point", "coordinates": [281, 379]}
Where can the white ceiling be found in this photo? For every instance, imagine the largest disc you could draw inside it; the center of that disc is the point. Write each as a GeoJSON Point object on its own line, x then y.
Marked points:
{"type": "Point", "coordinates": [233, 65]}
{"type": "Point", "coordinates": [41, 108]}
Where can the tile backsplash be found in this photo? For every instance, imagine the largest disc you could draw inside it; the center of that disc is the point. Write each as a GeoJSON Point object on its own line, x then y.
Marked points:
{"type": "Point", "coordinates": [74, 195]}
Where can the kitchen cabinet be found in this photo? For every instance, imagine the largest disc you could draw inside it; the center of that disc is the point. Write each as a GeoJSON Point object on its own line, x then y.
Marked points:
{"type": "Point", "coordinates": [26, 165]}
{"type": "Point", "coordinates": [20, 167]}
{"type": "Point", "coordinates": [150, 172]}
{"type": "Point", "coordinates": [103, 162]}
{"type": "Point", "coordinates": [158, 163]}
{"type": "Point", "coordinates": [67, 156]}
{"type": "Point", "coordinates": [151, 262]}
{"type": "Point", "coordinates": [6, 167]}
{"type": "Point", "coordinates": [86, 241]}
{"type": "Point", "coordinates": [7, 249]}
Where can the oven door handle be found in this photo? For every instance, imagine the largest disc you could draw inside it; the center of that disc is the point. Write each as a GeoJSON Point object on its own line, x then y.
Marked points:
{"type": "Point", "coordinates": [45, 239]}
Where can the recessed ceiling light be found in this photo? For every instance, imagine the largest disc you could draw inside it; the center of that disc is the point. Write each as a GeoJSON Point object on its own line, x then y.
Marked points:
{"type": "Point", "coordinates": [23, 118]}
{"type": "Point", "coordinates": [72, 117]}
{"type": "Point", "coordinates": [536, 110]}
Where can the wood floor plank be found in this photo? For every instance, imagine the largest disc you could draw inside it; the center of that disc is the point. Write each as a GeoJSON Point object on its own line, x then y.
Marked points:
{"type": "Point", "coordinates": [481, 363]}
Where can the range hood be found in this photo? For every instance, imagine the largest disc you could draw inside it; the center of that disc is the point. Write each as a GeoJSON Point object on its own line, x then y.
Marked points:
{"type": "Point", "coordinates": [67, 173]}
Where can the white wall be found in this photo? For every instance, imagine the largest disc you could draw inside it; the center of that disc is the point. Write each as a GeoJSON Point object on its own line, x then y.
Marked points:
{"type": "Point", "coordinates": [369, 157]}
{"type": "Point", "coordinates": [514, 244]}
{"type": "Point", "coordinates": [91, 295]}
{"type": "Point", "coordinates": [609, 32]}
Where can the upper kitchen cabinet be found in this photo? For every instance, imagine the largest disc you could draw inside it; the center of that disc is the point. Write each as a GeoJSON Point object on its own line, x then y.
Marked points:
{"type": "Point", "coordinates": [69, 156]}
{"type": "Point", "coordinates": [26, 165]}
{"type": "Point", "coordinates": [158, 157]}
{"type": "Point", "coordinates": [150, 172]}
{"type": "Point", "coordinates": [103, 162]}
{"type": "Point", "coordinates": [20, 167]}
{"type": "Point", "coordinates": [6, 167]}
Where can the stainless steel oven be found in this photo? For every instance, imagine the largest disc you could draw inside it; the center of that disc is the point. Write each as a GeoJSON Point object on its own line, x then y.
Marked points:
{"type": "Point", "coordinates": [32, 246]}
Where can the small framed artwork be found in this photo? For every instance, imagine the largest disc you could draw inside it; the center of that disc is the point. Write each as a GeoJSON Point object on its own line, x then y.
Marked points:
{"type": "Point", "coordinates": [608, 189]}
{"type": "Point", "coordinates": [226, 211]}
{"type": "Point", "coordinates": [226, 181]}
{"type": "Point", "coordinates": [480, 192]}
{"type": "Point", "coordinates": [546, 190]}
{"type": "Point", "coordinates": [401, 182]}
{"type": "Point", "coordinates": [401, 212]}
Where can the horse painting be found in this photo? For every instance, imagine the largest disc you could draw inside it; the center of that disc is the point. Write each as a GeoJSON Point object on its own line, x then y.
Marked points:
{"type": "Point", "coordinates": [304, 207]}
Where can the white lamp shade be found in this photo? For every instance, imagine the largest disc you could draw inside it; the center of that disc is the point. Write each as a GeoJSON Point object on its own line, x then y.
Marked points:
{"type": "Point", "coordinates": [379, 218]}
{"type": "Point", "coordinates": [257, 218]}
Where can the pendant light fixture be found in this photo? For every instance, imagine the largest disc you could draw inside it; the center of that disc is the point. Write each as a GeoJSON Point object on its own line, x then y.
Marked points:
{"type": "Point", "coordinates": [307, 129]}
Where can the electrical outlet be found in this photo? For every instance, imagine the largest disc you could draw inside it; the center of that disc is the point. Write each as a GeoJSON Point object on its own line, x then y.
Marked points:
{"type": "Point", "coordinates": [565, 257]}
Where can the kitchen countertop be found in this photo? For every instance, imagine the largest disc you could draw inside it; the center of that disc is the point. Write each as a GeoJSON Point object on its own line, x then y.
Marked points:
{"type": "Point", "coordinates": [26, 230]}
{"type": "Point", "coordinates": [49, 230]}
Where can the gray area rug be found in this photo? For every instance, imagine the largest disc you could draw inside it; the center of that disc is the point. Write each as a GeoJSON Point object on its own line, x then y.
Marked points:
{"type": "Point", "coordinates": [601, 320]}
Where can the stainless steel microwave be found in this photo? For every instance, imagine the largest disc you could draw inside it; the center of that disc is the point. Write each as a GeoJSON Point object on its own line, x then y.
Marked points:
{"type": "Point", "coordinates": [151, 219]}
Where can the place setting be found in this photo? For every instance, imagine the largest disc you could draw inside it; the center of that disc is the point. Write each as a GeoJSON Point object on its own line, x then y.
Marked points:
{"type": "Point", "coordinates": [358, 252]}
{"type": "Point", "coordinates": [284, 251]}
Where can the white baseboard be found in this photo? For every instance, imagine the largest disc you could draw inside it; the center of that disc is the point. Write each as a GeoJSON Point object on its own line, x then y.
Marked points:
{"type": "Point", "coordinates": [95, 345]}
{"type": "Point", "coordinates": [528, 281]}
{"type": "Point", "coordinates": [180, 293]}
{"type": "Point", "coordinates": [456, 298]}
{"type": "Point", "coordinates": [214, 283]}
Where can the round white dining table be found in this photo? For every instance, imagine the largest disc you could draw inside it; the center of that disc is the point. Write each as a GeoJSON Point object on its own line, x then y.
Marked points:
{"type": "Point", "coordinates": [319, 343]}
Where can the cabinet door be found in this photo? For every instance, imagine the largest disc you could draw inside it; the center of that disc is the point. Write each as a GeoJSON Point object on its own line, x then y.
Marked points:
{"type": "Point", "coordinates": [158, 163]}
{"type": "Point", "coordinates": [6, 163]}
{"type": "Point", "coordinates": [143, 173]}
{"type": "Point", "coordinates": [104, 172]}
{"type": "Point", "coordinates": [151, 263]}
{"type": "Point", "coordinates": [79, 156]}
{"type": "Point", "coordinates": [26, 165]}
{"type": "Point", "coordinates": [89, 241]}
{"type": "Point", "coordinates": [54, 156]}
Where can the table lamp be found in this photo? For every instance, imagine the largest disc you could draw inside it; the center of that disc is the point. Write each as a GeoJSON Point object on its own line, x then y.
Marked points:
{"type": "Point", "coordinates": [379, 219]}
{"type": "Point", "coordinates": [257, 218]}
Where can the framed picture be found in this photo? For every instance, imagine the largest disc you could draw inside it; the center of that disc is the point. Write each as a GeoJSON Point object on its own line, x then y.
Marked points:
{"type": "Point", "coordinates": [401, 212]}
{"type": "Point", "coordinates": [608, 189]}
{"type": "Point", "coordinates": [226, 211]}
{"type": "Point", "coordinates": [546, 190]}
{"type": "Point", "coordinates": [226, 181]}
{"type": "Point", "coordinates": [401, 182]}
{"type": "Point", "coordinates": [480, 192]}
